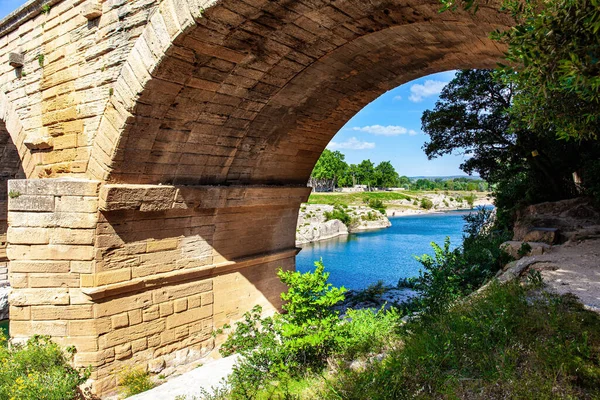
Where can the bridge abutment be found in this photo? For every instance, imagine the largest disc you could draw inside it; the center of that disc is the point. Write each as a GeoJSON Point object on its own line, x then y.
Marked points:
{"type": "Point", "coordinates": [141, 275]}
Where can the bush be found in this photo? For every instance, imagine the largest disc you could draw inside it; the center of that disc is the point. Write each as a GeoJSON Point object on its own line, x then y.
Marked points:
{"type": "Point", "coordinates": [377, 205]}
{"type": "Point", "coordinates": [282, 350]}
{"type": "Point", "coordinates": [339, 213]}
{"type": "Point", "coordinates": [371, 293]}
{"type": "Point", "coordinates": [426, 203]}
{"type": "Point", "coordinates": [286, 345]}
{"type": "Point", "coordinates": [134, 381]}
{"type": "Point", "coordinates": [39, 369]}
{"type": "Point", "coordinates": [366, 331]}
{"type": "Point", "coordinates": [508, 342]}
{"type": "Point", "coordinates": [452, 274]}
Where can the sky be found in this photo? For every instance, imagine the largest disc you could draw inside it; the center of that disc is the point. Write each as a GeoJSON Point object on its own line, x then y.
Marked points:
{"type": "Point", "coordinates": [388, 129]}
{"type": "Point", "coordinates": [8, 6]}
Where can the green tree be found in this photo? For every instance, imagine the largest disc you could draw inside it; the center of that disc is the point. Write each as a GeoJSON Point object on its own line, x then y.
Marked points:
{"type": "Point", "coordinates": [329, 168]}
{"type": "Point", "coordinates": [473, 116]}
{"type": "Point", "coordinates": [386, 175]}
{"type": "Point", "coordinates": [366, 173]}
{"type": "Point", "coordinates": [553, 61]}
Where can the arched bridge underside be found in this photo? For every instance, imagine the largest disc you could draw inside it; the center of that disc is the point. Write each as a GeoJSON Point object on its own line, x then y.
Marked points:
{"type": "Point", "coordinates": [167, 145]}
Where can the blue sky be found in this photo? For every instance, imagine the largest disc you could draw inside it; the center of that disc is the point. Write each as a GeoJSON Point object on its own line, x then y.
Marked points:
{"type": "Point", "coordinates": [8, 6]}
{"type": "Point", "coordinates": [388, 129]}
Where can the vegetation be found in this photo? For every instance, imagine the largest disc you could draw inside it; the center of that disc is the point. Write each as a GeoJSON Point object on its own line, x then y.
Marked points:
{"type": "Point", "coordinates": [426, 204]}
{"type": "Point", "coordinates": [281, 350]}
{"type": "Point", "coordinates": [339, 213]}
{"type": "Point", "coordinates": [134, 381]}
{"type": "Point", "coordinates": [508, 342]}
{"type": "Point", "coordinates": [525, 165]}
{"type": "Point", "coordinates": [38, 369]}
{"type": "Point", "coordinates": [453, 274]}
{"type": "Point", "coordinates": [332, 171]}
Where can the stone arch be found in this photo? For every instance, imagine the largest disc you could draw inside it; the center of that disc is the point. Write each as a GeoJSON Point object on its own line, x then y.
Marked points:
{"type": "Point", "coordinates": [251, 92]}
{"type": "Point", "coordinates": [11, 167]}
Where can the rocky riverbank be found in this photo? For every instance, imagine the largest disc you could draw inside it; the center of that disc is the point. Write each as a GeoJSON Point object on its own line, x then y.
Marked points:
{"type": "Point", "coordinates": [313, 224]}
{"type": "Point", "coordinates": [439, 203]}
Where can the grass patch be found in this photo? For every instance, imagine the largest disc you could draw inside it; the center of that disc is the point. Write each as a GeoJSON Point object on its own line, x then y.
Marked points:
{"type": "Point", "coordinates": [510, 342]}
{"type": "Point", "coordinates": [355, 198]}
{"type": "Point", "coordinates": [134, 381]}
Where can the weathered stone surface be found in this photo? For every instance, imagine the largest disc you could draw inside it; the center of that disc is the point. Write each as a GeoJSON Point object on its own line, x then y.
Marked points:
{"type": "Point", "coordinates": [152, 101]}
{"type": "Point", "coordinates": [4, 306]}
{"type": "Point", "coordinates": [513, 248]}
{"type": "Point", "coordinates": [16, 59]}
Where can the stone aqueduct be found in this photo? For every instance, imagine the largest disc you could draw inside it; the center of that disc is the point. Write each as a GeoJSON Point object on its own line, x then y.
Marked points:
{"type": "Point", "coordinates": [156, 153]}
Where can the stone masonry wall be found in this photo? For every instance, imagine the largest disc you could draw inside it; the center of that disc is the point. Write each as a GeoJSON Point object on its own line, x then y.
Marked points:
{"type": "Point", "coordinates": [140, 275]}
{"type": "Point", "coordinates": [50, 244]}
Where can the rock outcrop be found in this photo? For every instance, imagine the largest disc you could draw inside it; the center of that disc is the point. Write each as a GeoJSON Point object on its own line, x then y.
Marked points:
{"type": "Point", "coordinates": [555, 222]}
{"type": "Point", "coordinates": [313, 225]}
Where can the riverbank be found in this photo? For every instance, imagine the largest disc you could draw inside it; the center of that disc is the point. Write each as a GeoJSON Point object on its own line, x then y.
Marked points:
{"type": "Point", "coordinates": [314, 222]}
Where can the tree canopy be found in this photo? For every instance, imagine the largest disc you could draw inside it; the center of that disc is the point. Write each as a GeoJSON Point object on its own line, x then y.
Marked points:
{"type": "Point", "coordinates": [553, 60]}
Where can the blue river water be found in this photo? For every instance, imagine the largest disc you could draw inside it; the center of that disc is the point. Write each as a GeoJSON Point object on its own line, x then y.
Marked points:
{"type": "Point", "coordinates": [358, 260]}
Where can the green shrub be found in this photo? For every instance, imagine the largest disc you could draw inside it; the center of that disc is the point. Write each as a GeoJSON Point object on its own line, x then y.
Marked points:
{"type": "Point", "coordinates": [366, 332]}
{"type": "Point", "coordinates": [507, 342]}
{"type": "Point", "coordinates": [452, 274]}
{"type": "Point", "coordinates": [286, 345]}
{"type": "Point", "coordinates": [377, 205]}
{"type": "Point", "coordinates": [524, 249]}
{"type": "Point", "coordinates": [426, 203]}
{"type": "Point", "coordinates": [134, 381]}
{"type": "Point", "coordinates": [38, 369]}
{"type": "Point", "coordinates": [339, 213]}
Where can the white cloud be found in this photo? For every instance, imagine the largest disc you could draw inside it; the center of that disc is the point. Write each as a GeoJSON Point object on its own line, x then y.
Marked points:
{"type": "Point", "coordinates": [397, 98]}
{"type": "Point", "coordinates": [390, 130]}
{"type": "Point", "coordinates": [429, 88]}
{"type": "Point", "coordinates": [351, 144]}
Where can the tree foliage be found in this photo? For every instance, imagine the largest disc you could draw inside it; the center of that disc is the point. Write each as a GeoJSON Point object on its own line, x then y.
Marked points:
{"type": "Point", "coordinates": [553, 61]}
{"type": "Point", "coordinates": [474, 115]}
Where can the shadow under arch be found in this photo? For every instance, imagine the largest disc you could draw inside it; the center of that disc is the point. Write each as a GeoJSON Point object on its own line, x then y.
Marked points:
{"type": "Point", "coordinates": [251, 95]}
{"type": "Point", "coordinates": [10, 168]}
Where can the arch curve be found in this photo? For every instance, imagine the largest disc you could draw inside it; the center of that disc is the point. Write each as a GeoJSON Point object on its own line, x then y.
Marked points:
{"type": "Point", "coordinates": [251, 92]}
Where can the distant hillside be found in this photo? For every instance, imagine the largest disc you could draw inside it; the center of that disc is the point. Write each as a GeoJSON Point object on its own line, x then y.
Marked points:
{"type": "Point", "coordinates": [444, 178]}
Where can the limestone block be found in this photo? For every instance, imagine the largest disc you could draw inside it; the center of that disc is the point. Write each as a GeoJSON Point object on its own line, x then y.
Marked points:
{"type": "Point", "coordinates": [28, 236]}
{"type": "Point", "coordinates": [41, 313]}
{"type": "Point", "coordinates": [23, 202]}
{"type": "Point", "coordinates": [29, 328]}
{"type": "Point", "coordinates": [18, 313]}
{"type": "Point", "coordinates": [16, 60]}
{"type": "Point", "coordinates": [123, 304]}
{"type": "Point", "coordinates": [180, 305]}
{"type": "Point", "coordinates": [46, 296]}
{"type": "Point", "coordinates": [188, 317]}
{"type": "Point", "coordinates": [139, 345]}
{"type": "Point", "coordinates": [92, 9]}
{"type": "Point", "coordinates": [39, 266]}
{"type": "Point", "coordinates": [39, 143]}
{"type": "Point", "coordinates": [123, 351]}
{"type": "Point", "coordinates": [54, 280]}
{"type": "Point", "coordinates": [120, 321]}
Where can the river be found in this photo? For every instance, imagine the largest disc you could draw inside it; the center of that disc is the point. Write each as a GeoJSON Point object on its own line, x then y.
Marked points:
{"type": "Point", "coordinates": [357, 260]}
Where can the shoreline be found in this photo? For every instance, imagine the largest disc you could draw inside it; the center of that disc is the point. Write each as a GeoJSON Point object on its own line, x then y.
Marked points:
{"type": "Point", "coordinates": [395, 212]}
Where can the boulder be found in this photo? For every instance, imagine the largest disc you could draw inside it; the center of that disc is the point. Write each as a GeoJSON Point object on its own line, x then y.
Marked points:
{"type": "Point", "coordinates": [555, 222]}
{"type": "Point", "coordinates": [514, 247]}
